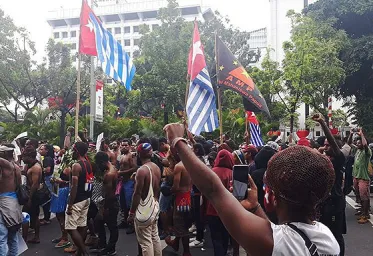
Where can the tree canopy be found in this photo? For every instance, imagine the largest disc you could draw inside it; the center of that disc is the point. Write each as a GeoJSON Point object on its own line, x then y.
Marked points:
{"type": "Point", "coordinates": [354, 17]}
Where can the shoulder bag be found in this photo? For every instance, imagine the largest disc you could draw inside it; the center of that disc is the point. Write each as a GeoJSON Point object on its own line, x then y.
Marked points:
{"type": "Point", "coordinates": [148, 209]}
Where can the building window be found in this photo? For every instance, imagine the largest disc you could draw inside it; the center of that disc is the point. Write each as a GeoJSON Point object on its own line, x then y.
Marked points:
{"type": "Point", "coordinates": [73, 46]}
{"type": "Point", "coordinates": [73, 33]}
{"type": "Point", "coordinates": [117, 31]}
{"type": "Point", "coordinates": [136, 42]}
{"type": "Point", "coordinates": [136, 29]}
{"type": "Point", "coordinates": [127, 30]}
{"type": "Point", "coordinates": [318, 133]}
{"type": "Point", "coordinates": [64, 34]}
{"type": "Point", "coordinates": [155, 26]}
{"type": "Point", "coordinates": [109, 29]}
{"type": "Point", "coordinates": [127, 42]}
{"type": "Point", "coordinates": [56, 35]}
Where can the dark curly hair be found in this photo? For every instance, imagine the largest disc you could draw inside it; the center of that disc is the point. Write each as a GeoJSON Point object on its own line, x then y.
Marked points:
{"type": "Point", "coordinates": [300, 176]}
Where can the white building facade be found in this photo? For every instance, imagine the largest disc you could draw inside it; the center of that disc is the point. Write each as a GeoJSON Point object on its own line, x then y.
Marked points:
{"type": "Point", "coordinates": [280, 25]}
{"type": "Point", "coordinates": [122, 18]}
{"type": "Point", "coordinates": [258, 42]}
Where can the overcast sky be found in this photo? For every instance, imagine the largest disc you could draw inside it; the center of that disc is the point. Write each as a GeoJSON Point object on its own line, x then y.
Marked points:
{"type": "Point", "coordinates": [32, 14]}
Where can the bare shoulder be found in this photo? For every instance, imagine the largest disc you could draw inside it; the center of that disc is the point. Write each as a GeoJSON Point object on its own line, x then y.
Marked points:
{"type": "Point", "coordinates": [113, 174]}
{"type": "Point", "coordinates": [76, 168]}
{"type": "Point", "coordinates": [5, 163]}
{"type": "Point", "coordinates": [37, 168]}
{"type": "Point", "coordinates": [179, 167]}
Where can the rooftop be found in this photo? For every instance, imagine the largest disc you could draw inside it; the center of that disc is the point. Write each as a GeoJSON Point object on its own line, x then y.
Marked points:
{"type": "Point", "coordinates": [115, 11]}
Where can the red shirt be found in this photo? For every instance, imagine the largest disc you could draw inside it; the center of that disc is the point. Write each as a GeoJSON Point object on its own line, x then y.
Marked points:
{"type": "Point", "coordinates": [223, 168]}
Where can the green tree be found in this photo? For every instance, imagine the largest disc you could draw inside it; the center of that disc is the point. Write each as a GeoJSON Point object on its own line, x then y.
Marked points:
{"type": "Point", "coordinates": [162, 62]}
{"type": "Point", "coordinates": [61, 75]}
{"type": "Point", "coordinates": [20, 79]}
{"type": "Point", "coordinates": [354, 18]}
{"type": "Point", "coordinates": [312, 70]}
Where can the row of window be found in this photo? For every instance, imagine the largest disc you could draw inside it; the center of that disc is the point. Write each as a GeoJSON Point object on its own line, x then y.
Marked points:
{"type": "Point", "coordinates": [126, 42]}
{"type": "Point", "coordinates": [127, 29]}
{"type": "Point", "coordinates": [64, 34]}
{"type": "Point", "coordinates": [116, 31]}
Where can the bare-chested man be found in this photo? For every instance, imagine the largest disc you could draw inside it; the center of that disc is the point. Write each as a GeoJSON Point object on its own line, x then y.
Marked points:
{"type": "Point", "coordinates": [114, 146]}
{"type": "Point", "coordinates": [105, 148]}
{"type": "Point", "coordinates": [10, 210]}
{"type": "Point", "coordinates": [108, 209]}
{"type": "Point", "coordinates": [34, 176]}
{"type": "Point", "coordinates": [182, 220]}
{"type": "Point", "coordinates": [127, 168]}
{"type": "Point", "coordinates": [146, 194]}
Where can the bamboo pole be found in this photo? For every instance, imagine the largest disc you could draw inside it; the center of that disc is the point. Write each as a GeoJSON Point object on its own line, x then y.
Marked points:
{"type": "Point", "coordinates": [219, 92]}
{"type": "Point", "coordinates": [77, 98]}
{"type": "Point", "coordinates": [247, 130]}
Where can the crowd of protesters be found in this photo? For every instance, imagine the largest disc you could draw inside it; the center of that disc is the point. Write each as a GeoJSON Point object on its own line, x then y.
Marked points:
{"type": "Point", "coordinates": [174, 189]}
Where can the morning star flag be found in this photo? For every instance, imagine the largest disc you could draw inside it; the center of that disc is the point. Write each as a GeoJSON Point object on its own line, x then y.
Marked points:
{"type": "Point", "coordinates": [201, 106]}
{"type": "Point", "coordinates": [256, 135]}
{"type": "Point", "coordinates": [232, 75]}
{"type": "Point", "coordinates": [95, 40]}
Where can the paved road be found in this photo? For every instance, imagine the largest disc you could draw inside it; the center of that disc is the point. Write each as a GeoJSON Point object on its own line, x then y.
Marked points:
{"type": "Point", "coordinates": [358, 240]}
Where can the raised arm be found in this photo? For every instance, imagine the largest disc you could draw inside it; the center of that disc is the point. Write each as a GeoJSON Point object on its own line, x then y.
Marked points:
{"type": "Point", "coordinates": [364, 141]}
{"type": "Point", "coordinates": [253, 233]}
{"type": "Point", "coordinates": [328, 134]}
{"type": "Point", "coordinates": [349, 141]}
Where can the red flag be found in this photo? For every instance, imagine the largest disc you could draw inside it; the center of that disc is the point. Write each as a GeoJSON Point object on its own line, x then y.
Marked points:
{"type": "Point", "coordinates": [87, 42]}
{"type": "Point", "coordinates": [196, 60]}
{"type": "Point", "coordinates": [251, 117]}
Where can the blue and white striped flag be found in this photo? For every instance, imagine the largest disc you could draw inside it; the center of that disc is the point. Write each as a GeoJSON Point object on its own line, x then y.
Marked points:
{"type": "Point", "coordinates": [115, 62]}
{"type": "Point", "coordinates": [256, 135]}
{"type": "Point", "coordinates": [201, 106]}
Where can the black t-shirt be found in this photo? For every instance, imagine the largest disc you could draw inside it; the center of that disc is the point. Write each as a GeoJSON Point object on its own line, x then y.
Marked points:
{"type": "Point", "coordinates": [337, 195]}
{"type": "Point", "coordinates": [48, 162]}
{"type": "Point", "coordinates": [83, 192]}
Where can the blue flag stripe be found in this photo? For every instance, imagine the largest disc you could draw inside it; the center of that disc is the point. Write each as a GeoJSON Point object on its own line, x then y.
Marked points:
{"type": "Point", "coordinates": [115, 62]}
{"type": "Point", "coordinates": [201, 107]}
{"type": "Point", "coordinates": [256, 135]}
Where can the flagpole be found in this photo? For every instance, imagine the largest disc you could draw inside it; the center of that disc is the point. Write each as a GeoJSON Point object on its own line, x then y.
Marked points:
{"type": "Point", "coordinates": [92, 101]}
{"type": "Point", "coordinates": [93, 94]}
{"type": "Point", "coordinates": [219, 91]}
{"type": "Point", "coordinates": [77, 98]}
{"type": "Point", "coordinates": [247, 130]}
{"type": "Point", "coordinates": [188, 77]}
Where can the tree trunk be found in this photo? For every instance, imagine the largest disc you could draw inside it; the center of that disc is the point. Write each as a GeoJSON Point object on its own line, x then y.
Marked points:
{"type": "Point", "coordinates": [291, 127]}
{"type": "Point", "coordinates": [62, 127]}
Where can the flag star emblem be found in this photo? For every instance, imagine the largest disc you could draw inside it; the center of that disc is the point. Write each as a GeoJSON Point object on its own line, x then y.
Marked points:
{"type": "Point", "coordinates": [90, 25]}
{"type": "Point", "coordinates": [235, 62]}
{"type": "Point", "coordinates": [221, 68]}
{"type": "Point", "coordinates": [197, 50]}
{"type": "Point", "coordinates": [245, 74]}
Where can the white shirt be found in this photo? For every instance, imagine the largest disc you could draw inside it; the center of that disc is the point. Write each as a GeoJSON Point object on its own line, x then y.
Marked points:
{"type": "Point", "coordinates": [287, 242]}
{"type": "Point", "coordinates": [346, 149]}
